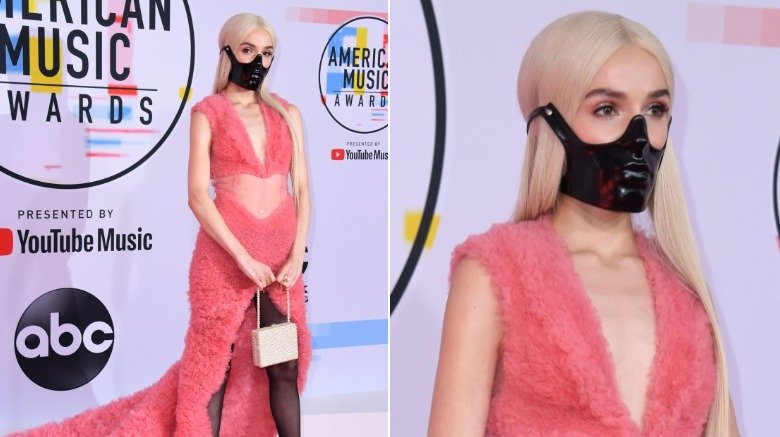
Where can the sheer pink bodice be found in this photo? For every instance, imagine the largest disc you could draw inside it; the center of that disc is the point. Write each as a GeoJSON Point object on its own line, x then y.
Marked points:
{"type": "Point", "coordinates": [258, 185]}
{"type": "Point", "coordinates": [260, 196]}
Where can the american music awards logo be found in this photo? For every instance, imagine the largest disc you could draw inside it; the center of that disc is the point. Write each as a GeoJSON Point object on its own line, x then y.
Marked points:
{"type": "Point", "coordinates": [90, 90]}
{"type": "Point", "coordinates": [354, 78]}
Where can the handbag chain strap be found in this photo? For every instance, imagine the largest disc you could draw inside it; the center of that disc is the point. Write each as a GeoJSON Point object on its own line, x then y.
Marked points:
{"type": "Point", "coordinates": [257, 300]}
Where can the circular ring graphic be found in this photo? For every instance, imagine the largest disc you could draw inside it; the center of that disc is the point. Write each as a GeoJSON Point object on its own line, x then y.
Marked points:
{"type": "Point", "coordinates": [776, 192]}
{"type": "Point", "coordinates": [151, 152]}
{"type": "Point", "coordinates": [438, 158]}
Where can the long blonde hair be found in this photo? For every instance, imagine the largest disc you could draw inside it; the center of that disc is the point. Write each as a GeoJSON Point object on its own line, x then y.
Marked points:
{"type": "Point", "coordinates": [233, 32]}
{"type": "Point", "coordinates": [559, 67]}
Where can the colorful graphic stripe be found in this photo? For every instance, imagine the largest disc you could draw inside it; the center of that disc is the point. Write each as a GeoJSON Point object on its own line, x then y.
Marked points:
{"type": "Point", "coordinates": [111, 142]}
{"type": "Point", "coordinates": [335, 78]}
{"type": "Point", "coordinates": [412, 221]}
{"type": "Point", "coordinates": [48, 84]}
{"type": "Point", "coordinates": [122, 130]}
{"type": "Point", "coordinates": [104, 155]}
{"type": "Point", "coordinates": [10, 67]}
{"type": "Point", "coordinates": [739, 25]}
{"type": "Point", "coordinates": [349, 334]}
{"type": "Point", "coordinates": [326, 16]}
{"type": "Point", "coordinates": [17, 6]}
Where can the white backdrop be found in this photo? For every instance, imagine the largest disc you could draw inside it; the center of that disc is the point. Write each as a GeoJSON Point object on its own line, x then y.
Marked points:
{"type": "Point", "coordinates": [726, 132]}
{"type": "Point", "coordinates": [145, 291]}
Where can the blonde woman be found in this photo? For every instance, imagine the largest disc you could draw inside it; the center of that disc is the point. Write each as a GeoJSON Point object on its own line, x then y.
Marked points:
{"type": "Point", "coordinates": [567, 320]}
{"type": "Point", "coordinates": [247, 142]}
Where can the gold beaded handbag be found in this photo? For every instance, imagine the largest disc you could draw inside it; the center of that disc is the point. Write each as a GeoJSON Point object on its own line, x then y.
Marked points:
{"type": "Point", "coordinates": [276, 343]}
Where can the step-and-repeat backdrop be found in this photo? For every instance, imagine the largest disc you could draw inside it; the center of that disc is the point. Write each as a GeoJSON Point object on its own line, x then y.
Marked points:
{"type": "Point", "coordinates": [95, 231]}
{"type": "Point", "coordinates": [726, 131]}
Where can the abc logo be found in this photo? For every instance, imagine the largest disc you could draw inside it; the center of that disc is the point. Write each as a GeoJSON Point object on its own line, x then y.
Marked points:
{"type": "Point", "coordinates": [64, 339]}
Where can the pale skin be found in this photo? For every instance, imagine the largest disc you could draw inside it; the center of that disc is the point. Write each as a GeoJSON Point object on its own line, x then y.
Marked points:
{"type": "Point", "coordinates": [601, 244]}
{"type": "Point", "coordinates": [201, 204]}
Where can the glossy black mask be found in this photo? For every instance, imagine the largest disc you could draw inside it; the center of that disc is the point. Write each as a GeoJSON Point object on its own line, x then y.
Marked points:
{"type": "Point", "coordinates": [248, 75]}
{"type": "Point", "coordinates": [618, 176]}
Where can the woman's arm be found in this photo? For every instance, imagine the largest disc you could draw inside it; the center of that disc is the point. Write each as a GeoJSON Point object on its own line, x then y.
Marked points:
{"type": "Point", "coordinates": [468, 356]}
{"type": "Point", "coordinates": [291, 270]}
{"type": "Point", "coordinates": [206, 211]}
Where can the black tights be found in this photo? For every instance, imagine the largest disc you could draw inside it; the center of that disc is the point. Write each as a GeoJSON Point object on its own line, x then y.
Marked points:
{"type": "Point", "coordinates": [282, 384]}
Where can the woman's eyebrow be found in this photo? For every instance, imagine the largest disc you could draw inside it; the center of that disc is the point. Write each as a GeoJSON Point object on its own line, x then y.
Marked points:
{"type": "Point", "coordinates": [659, 93]}
{"type": "Point", "coordinates": [254, 47]}
{"type": "Point", "coordinates": [615, 94]}
{"type": "Point", "coordinates": [605, 92]}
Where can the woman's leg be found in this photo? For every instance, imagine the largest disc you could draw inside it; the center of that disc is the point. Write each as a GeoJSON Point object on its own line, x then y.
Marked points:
{"type": "Point", "coordinates": [215, 404]}
{"type": "Point", "coordinates": [282, 380]}
{"type": "Point", "coordinates": [214, 321]}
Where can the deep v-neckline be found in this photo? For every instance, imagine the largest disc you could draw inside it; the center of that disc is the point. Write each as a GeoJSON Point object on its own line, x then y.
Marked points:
{"type": "Point", "coordinates": [247, 139]}
{"type": "Point", "coordinates": [601, 346]}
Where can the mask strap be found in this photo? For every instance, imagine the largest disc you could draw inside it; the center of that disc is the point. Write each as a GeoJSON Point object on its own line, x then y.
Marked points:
{"type": "Point", "coordinates": [554, 119]}
{"type": "Point", "coordinates": [230, 54]}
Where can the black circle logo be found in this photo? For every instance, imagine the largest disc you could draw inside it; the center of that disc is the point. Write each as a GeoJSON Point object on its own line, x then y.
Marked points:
{"type": "Point", "coordinates": [87, 101]}
{"type": "Point", "coordinates": [354, 78]}
{"type": "Point", "coordinates": [64, 339]}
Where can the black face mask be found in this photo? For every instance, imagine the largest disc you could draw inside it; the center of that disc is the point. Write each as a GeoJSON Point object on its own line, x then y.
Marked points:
{"type": "Point", "coordinates": [617, 176]}
{"type": "Point", "coordinates": [249, 75]}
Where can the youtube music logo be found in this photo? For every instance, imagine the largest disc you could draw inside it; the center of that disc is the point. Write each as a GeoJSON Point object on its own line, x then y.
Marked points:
{"type": "Point", "coordinates": [359, 154]}
{"type": "Point", "coordinates": [6, 241]}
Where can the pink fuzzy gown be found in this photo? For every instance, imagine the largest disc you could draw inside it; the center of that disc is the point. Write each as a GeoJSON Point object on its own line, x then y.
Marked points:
{"type": "Point", "coordinates": [555, 375]}
{"type": "Point", "coordinates": [253, 199]}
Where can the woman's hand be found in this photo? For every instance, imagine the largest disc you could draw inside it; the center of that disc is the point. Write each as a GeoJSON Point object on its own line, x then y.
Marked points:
{"type": "Point", "coordinates": [290, 271]}
{"type": "Point", "coordinates": [259, 273]}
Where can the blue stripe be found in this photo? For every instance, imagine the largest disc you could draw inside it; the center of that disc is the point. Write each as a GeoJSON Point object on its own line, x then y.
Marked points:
{"type": "Point", "coordinates": [9, 67]}
{"type": "Point", "coordinates": [349, 334]}
{"type": "Point", "coordinates": [103, 142]}
{"type": "Point", "coordinates": [89, 142]}
{"type": "Point", "coordinates": [17, 5]}
{"type": "Point", "coordinates": [102, 112]}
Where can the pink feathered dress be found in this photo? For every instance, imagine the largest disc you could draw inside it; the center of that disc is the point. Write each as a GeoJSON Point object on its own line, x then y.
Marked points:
{"type": "Point", "coordinates": [220, 297]}
{"type": "Point", "coordinates": [555, 375]}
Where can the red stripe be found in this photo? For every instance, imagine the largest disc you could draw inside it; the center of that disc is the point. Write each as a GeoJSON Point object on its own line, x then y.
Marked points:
{"type": "Point", "coordinates": [105, 155]}
{"type": "Point", "coordinates": [108, 129]}
{"type": "Point", "coordinates": [327, 16]}
{"type": "Point", "coordinates": [125, 90]}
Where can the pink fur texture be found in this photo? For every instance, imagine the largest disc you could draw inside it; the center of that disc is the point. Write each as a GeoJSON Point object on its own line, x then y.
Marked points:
{"type": "Point", "coordinates": [557, 376]}
{"type": "Point", "coordinates": [231, 150]}
{"type": "Point", "coordinates": [221, 310]}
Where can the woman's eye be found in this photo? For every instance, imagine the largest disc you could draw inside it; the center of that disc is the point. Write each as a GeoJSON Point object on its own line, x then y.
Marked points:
{"type": "Point", "coordinates": [605, 111]}
{"type": "Point", "coordinates": [268, 54]}
{"type": "Point", "coordinates": [658, 110]}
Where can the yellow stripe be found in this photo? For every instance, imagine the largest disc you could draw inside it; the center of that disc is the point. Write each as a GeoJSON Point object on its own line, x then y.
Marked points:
{"type": "Point", "coordinates": [181, 92]}
{"type": "Point", "coordinates": [361, 42]}
{"type": "Point", "coordinates": [412, 221]}
{"type": "Point", "coordinates": [36, 76]}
